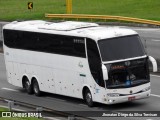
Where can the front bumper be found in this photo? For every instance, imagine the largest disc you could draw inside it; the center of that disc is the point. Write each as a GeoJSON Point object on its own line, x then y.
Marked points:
{"type": "Point", "coordinates": [121, 99]}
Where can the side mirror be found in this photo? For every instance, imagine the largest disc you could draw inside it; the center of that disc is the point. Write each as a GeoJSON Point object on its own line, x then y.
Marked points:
{"type": "Point", "coordinates": [154, 63]}
{"type": "Point", "coordinates": [105, 72]}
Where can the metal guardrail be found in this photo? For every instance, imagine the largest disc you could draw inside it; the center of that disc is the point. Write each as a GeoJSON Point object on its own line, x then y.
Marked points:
{"type": "Point", "coordinates": [45, 110]}
{"type": "Point", "coordinates": [102, 17]}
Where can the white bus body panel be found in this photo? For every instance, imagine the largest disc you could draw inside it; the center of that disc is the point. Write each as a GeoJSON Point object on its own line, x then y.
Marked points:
{"type": "Point", "coordinates": [55, 73]}
{"type": "Point", "coordinates": [62, 74]}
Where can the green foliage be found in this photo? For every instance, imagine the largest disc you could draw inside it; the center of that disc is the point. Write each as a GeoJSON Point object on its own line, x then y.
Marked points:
{"type": "Point", "coordinates": [17, 9]}
{"type": "Point", "coordinates": [3, 109]}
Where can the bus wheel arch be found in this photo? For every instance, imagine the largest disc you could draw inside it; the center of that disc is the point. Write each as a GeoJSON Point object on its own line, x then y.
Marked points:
{"type": "Point", "coordinates": [87, 96]}
{"type": "Point", "coordinates": [35, 85]}
{"type": "Point", "coordinates": [27, 85]}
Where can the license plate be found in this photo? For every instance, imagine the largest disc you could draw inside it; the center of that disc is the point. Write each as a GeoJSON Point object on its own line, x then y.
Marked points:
{"type": "Point", "coordinates": [131, 98]}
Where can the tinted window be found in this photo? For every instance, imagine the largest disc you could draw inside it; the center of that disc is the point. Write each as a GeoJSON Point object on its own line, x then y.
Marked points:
{"type": "Point", "coordinates": [9, 38]}
{"type": "Point", "coordinates": [94, 61]}
{"type": "Point", "coordinates": [58, 44]}
{"type": "Point", "coordinates": [121, 48]}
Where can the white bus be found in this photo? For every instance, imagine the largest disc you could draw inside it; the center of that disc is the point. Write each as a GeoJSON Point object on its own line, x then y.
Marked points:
{"type": "Point", "coordinates": [77, 59]}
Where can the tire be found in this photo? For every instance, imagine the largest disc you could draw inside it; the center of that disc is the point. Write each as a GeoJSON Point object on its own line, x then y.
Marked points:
{"type": "Point", "coordinates": [36, 89]}
{"type": "Point", "coordinates": [88, 98]}
{"type": "Point", "coordinates": [28, 86]}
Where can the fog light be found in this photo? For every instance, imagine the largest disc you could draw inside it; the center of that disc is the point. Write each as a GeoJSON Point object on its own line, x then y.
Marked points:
{"type": "Point", "coordinates": [110, 101]}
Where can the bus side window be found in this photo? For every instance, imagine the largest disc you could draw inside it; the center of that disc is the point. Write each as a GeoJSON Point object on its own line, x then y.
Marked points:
{"type": "Point", "coordinates": [94, 61]}
{"type": "Point", "coordinates": [79, 48]}
{"type": "Point", "coordinates": [10, 37]}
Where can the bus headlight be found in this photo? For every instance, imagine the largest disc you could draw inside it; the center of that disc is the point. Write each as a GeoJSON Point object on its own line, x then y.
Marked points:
{"type": "Point", "coordinates": [146, 89]}
{"type": "Point", "coordinates": [113, 94]}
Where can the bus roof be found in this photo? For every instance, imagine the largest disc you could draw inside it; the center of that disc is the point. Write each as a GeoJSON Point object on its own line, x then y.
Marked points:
{"type": "Point", "coordinates": [71, 28]}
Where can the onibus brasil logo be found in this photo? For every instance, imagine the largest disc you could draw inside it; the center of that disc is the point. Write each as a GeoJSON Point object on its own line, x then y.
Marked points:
{"type": "Point", "coordinates": [21, 114]}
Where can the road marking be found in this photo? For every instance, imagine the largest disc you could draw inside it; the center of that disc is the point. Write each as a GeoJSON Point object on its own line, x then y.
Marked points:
{"type": "Point", "coordinates": [55, 99]}
{"type": "Point", "coordinates": [145, 29]}
{"type": "Point", "coordinates": [155, 75]}
{"type": "Point", "coordinates": [83, 105]}
{"type": "Point", "coordinates": [9, 89]}
{"type": "Point", "coordinates": [51, 118]}
{"type": "Point", "coordinates": [138, 29]}
{"type": "Point", "coordinates": [98, 108]}
{"type": "Point", "coordinates": [154, 40]}
{"type": "Point", "coordinates": [155, 95]}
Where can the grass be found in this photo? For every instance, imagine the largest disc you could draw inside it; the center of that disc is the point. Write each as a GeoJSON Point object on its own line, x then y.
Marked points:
{"type": "Point", "coordinates": [5, 118]}
{"type": "Point", "coordinates": [3, 109]}
{"type": "Point", "coordinates": [17, 9]}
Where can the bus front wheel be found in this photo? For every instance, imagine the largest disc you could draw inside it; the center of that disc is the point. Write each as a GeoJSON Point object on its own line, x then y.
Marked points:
{"type": "Point", "coordinates": [36, 89]}
{"type": "Point", "coordinates": [88, 98]}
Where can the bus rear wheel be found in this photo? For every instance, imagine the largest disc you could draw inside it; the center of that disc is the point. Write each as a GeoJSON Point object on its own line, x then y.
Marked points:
{"type": "Point", "coordinates": [88, 98]}
{"type": "Point", "coordinates": [36, 89]}
{"type": "Point", "coordinates": [28, 86]}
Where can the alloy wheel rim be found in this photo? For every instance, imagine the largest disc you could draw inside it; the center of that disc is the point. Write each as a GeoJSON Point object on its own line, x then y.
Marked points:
{"type": "Point", "coordinates": [36, 88]}
{"type": "Point", "coordinates": [27, 85]}
{"type": "Point", "coordinates": [88, 97]}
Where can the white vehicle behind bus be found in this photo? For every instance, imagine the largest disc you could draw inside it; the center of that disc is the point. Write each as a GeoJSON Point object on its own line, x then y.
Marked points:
{"type": "Point", "coordinates": [83, 60]}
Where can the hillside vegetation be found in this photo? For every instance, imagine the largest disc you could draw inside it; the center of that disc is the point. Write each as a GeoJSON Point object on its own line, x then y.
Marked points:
{"type": "Point", "coordinates": [17, 9]}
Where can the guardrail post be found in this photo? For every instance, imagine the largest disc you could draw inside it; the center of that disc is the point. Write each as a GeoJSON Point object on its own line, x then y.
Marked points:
{"type": "Point", "coordinates": [72, 117]}
{"type": "Point", "coordinates": [69, 6]}
{"type": "Point", "coordinates": [39, 109]}
{"type": "Point", "coordinates": [10, 104]}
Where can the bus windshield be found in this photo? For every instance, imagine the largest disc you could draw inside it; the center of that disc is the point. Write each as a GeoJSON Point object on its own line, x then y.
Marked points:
{"type": "Point", "coordinates": [121, 48]}
{"type": "Point", "coordinates": [128, 73]}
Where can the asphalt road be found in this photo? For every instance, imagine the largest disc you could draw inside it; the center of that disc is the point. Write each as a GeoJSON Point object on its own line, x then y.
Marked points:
{"type": "Point", "coordinates": [152, 38]}
{"type": "Point", "coordinates": [1, 25]}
